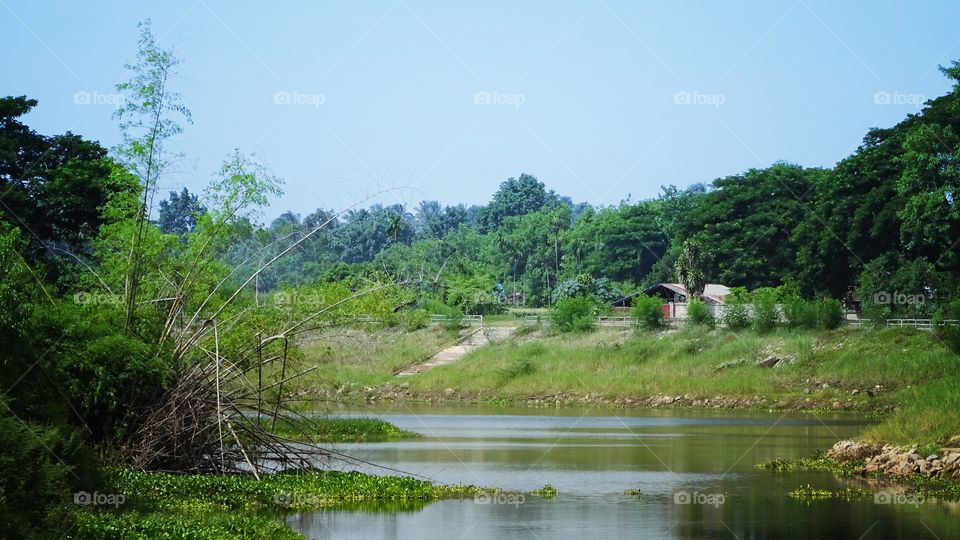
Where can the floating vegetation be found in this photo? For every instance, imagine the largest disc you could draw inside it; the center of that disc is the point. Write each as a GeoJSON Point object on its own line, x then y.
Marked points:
{"type": "Point", "coordinates": [812, 464]}
{"type": "Point", "coordinates": [547, 491]}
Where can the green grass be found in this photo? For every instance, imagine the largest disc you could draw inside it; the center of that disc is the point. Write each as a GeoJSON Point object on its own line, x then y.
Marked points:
{"type": "Point", "coordinates": [918, 378]}
{"type": "Point", "coordinates": [342, 429]}
{"type": "Point", "coordinates": [915, 380]}
{"type": "Point", "coordinates": [349, 359]}
{"type": "Point", "coordinates": [161, 505]}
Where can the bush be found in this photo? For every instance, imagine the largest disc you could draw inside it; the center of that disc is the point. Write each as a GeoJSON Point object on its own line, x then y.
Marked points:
{"type": "Point", "coordinates": [949, 334]}
{"type": "Point", "coordinates": [415, 319]}
{"type": "Point", "coordinates": [575, 314]}
{"type": "Point", "coordinates": [765, 316]}
{"type": "Point", "coordinates": [648, 310]}
{"type": "Point", "coordinates": [698, 314]}
{"type": "Point", "coordinates": [800, 313]}
{"type": "Point", "coordinates": [829, 313]}
{"type": "Point", "coordinates": [736, 316]}
{"type": "Point", "coordinates": [35, 478]}
{"type": "Point", "coordinates": [823, 313]}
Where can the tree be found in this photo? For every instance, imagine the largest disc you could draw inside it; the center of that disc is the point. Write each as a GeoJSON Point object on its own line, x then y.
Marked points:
{"type": "Point", "coordinates": [178, 214]}
{"type": "Point", "coordinates": [516, 197]}
{"type": "Point", "coordinates": [52, 187]}
{"type": "Point", "coordinates": [147, 122]}
{"type": "Point", "coordinates": [691, 269]}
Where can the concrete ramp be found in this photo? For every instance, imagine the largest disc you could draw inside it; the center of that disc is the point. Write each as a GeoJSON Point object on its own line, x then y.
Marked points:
{"type": "Point", "coordinates": [453, 353]}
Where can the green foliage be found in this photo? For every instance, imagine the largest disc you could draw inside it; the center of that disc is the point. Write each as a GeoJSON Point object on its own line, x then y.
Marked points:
{"type": "Point", "coordinates": [765, 314]}
{"type": "Point", "coordinates": [949, 332]}
{"type": "Point", "coordinates": [736, 316]}
{"type": "Point", "coordinates": [574, 314]}
{"type": "Point", "coordinates": [601, 289]}
{"type": "Point", "coordinates": [109, 378]}
{"type": "Point", "coordinates": [518, 367]}
{"type": "Point", "coordinates": [691, 268]}
{"type": "Point", "coordinates": [341, 429]}
{"type": "Point", "coordinates": [35, 477]}
{"type": "Point", "coordinates": [648, 310]}
{"type": "Point", "coordinates": [698, 314]}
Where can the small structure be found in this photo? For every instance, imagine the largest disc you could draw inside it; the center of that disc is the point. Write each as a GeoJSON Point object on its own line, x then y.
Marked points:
{"type": "Point", "coordinates": [676, 298]}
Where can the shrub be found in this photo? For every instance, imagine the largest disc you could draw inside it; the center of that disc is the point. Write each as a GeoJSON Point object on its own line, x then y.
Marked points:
{"type": "Point", "coordinates": [575, 314]}
{"type": "Point", "coordinates": [415, 319]}
{"type": "Point", "coordinates": [949, 334]}
{"type": "Point", "coordinates": [698, 314]}
{"type": "Point", "coordinates": [824, 313]}
{"type": "Point", "coordinates": [829, 313]}
{"type": "Point", "coordinates": [765, 316]}
{"type": "Point", "coordinates": [736, 316]}
{"type": "Point", "coordinates": [648, 310]}
{"type": "Point", "coordinates": [799, 313]}
{"type": "Point", "coordinates": [38, 468]}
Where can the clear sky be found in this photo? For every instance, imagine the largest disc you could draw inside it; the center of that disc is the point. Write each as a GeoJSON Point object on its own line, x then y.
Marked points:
{"type": "Point", "coordinates": [599, 99]}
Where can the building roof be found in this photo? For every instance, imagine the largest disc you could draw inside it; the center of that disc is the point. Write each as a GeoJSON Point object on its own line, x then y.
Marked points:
{"type": "Point", "coordinates": [712, 292]}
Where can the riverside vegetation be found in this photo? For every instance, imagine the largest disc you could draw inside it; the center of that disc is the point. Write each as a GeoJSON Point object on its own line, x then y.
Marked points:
{"type": "Point", "coordinates": [158, 337]}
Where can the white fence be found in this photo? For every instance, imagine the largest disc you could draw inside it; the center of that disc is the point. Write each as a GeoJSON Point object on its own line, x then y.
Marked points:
{"type": "Point", "coordinates": [920, 324]}
{"type": "Point", "coordinates": [469, 320]}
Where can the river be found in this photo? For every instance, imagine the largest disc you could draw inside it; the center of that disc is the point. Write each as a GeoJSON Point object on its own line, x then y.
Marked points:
{"type": "Point", "coordinates": [695, 470]}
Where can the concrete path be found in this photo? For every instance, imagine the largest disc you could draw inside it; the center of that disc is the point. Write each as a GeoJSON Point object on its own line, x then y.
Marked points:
{"type": "Point", "coordinates": [477, 338]}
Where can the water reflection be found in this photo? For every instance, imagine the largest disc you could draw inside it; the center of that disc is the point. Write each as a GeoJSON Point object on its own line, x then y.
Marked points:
{"type": "Point", "coordinates": [694, 470]}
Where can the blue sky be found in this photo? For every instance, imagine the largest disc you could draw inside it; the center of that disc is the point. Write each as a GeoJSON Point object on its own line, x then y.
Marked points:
{"type": "Point", "coordinates": [443, 100]}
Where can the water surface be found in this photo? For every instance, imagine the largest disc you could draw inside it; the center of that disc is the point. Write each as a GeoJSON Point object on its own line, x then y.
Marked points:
{"type": "Point", "coordinates": [695, 470]}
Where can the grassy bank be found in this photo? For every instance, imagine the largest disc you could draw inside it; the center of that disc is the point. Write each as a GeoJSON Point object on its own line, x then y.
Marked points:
{"type": "Point", "coordinates": [350, 359]}
{"type": "Point", "coordinates": [159, 505]}
{"type": "Point", "coordinates": [342, 429]}
{"type": "Point", "coordinates": [905, 374]}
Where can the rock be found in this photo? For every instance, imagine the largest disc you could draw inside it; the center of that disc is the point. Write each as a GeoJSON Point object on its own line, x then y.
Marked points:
{"type": "Point", "coordinates": [768, 362]}
{"type": "Point", "coordinates": [448, 392]}
{"type": "Point", "coordinates": [405, 385]}
{"type": "Point", "coordinates": [825, 386]}
{"type": "Point", "coordinates": [806, 390]}
{"type": "Point", "coordinates": [932, 457]}
{"type": "Point", "coordinates": [855, 392]}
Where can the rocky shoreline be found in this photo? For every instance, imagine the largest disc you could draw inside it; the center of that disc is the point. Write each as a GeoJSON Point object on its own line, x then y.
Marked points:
{"type": "Point", "coordinates": [899, 460]}
{"type": "Point", "coordinates": [400, 392]}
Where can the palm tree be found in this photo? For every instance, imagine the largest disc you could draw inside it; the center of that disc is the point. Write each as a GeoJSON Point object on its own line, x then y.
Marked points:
{"type": "Point", "coordinates": [691, 269]}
